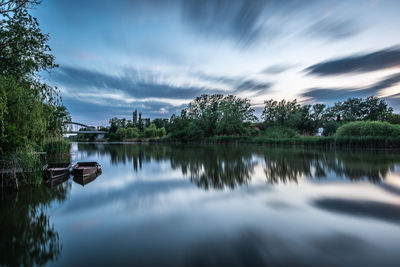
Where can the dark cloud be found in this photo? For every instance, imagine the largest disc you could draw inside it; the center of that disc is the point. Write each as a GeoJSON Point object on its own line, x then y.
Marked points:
{"type": "Point", "coordinates": [329, 95]}
{"type": "Point", "coordinates": [241, 20]}
{"type": "Point", "coordinates": [237, 84]}
{"type": "Point", "coordinates": [237, 19]}
{"type": "Point", "coordinates": [360, 63]}
{"type": "Point", "coordinates": [138, 85]}
{"type": "Point", "coordinates": [334, 29]}
{"type": "Point", "coordinates": [253, 86]}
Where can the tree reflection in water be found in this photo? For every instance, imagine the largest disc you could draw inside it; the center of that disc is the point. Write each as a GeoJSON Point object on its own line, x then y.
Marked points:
{"type": "Point", "coordinates": [27, 236]}
{"type": "Point", "coordinates": [215, 167]}
{"type": "Point", "coordinates": [218, 166]}
{"type": "Point", "coordinates": [290, 165]}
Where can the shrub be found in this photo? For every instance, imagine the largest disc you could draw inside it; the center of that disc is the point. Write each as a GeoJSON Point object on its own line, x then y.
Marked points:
{"type": "Point", "coordinates": [132, 132]}
{"type": "Point", "coordinates": [150, 131]}
{"type": "Point", "coordinates": [279, 132]}
{"type": "Point", "coordinates": [121, 133]}
{"type": "Point", "coordinates": [368, 128]}
{"type": "Point", "coordinates": [330, 128]}
{"type": "Point", "coordinates": [161, 132]}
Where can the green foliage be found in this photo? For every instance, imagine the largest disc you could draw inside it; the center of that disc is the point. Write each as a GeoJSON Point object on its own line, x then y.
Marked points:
{"type": "Point", "coordinates": [121, 133]}
{"type": "Point", "coordinates": [26, 161]}
{"type": "Point", "coordinates": [305, 119]}
{"type": "Point", "coordinates": [30, 110]}
{"type": "Point", "coordinates": [161, 132]}
{"type": "Point", "coordinates": [150, 131]}
{"type": "Point", "coordinates": [57, 145]}
{"type": "Point", "coordinates": [330, 127]}
{"type": "Point", "coordinates": [369, 128]}
{"type": "Point", "coordinates": [355, 109]}
{"type": "Point", "coordinates": [393, 118]}
{"type": "Point", "coordinates": [279, 112]}
{"type": "Point", "coordinates": [279, 132]}
{"type": "Point", "coordinates": [212, 115]}
{"type": "Point", "coordinates": [132, 133]}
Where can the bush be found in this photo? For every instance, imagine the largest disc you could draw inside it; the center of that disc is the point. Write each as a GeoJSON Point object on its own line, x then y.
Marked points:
{"type": "Point", "coordinates": [150, 131]}
{"type": "Point", "coordinates": [121, 133]}
{"type": "Point", "coordinates": [330, 128]}
{"type": "Point", "coordinates": [369, 128]}
{"type": "Point", "coordinates": [279, 132]}
{"type": "Point", "coordinates": [132, 132]}
{"type": "Point", "coordinates": [161, 132]}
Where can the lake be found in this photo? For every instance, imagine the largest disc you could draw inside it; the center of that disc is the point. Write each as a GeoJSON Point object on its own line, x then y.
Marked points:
{"type": "Point", "coordinates": [204, 205]}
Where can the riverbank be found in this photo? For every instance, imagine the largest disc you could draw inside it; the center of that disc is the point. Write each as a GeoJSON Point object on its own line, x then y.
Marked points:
{"type": "Point", "coordinates": [25, 167]}
{"type": "Point", "coordinates": [330, 142]}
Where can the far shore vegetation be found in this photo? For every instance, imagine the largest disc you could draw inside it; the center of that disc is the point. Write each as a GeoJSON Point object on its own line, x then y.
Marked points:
{"type": "Point", "coordinates": [356, 122]}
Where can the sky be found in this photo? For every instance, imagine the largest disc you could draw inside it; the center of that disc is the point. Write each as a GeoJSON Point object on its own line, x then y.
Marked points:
{"type": "Point", "coordinates": [158, 55]}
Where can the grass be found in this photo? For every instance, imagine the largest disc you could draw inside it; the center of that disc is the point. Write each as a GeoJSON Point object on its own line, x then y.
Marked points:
{"type": "Point", "coordinates": [57, 146]}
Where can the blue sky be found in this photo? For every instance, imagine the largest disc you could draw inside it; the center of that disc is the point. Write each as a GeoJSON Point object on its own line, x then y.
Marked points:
{"type": "Point", "coordinates": [157, 55]}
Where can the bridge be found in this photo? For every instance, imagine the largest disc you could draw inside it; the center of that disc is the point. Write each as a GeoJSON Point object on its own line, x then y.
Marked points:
{"type": "Point", "coordinates": [72, 128]}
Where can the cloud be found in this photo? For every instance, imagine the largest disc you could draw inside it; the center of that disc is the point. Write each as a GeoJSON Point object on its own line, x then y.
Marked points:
{"type": "Point", "coordinates": [252, 86]}
{"type": "Point", "coordinates": [99, 111]}
{"type": "Point", "coordinates": [99, 96]}
{"type": "Point", "coordinates": [386, 58]}
{"type": "Point", "coordinates": [276, 69]}
{"type": "Point", "coordinates": [333, 29]}
{"type": "Point", "coordinates": [235, 19]}
{"type": "Point", "coordinates": [328, 95]}
{"type": "Point", "coordinates": [236, 84]}
{"type": "Point", "coordinates": [240, 20]}
{"type": "Point", "coordinates": [134, 84]}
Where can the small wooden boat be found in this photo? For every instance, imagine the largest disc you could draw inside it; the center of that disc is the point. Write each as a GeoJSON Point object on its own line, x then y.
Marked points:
{"type": "Point", "coordinates": [86, 168]}
{"type": "Point", "coordinates": [84, 180]}
{"type": "Point", "coordinates": [56, 170]}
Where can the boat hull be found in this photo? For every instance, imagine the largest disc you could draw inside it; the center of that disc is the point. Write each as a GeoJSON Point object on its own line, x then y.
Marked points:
{"type": "Point", "coordinates": [55, 171]}
{"type": "Point", "coordinates": [86, 168]}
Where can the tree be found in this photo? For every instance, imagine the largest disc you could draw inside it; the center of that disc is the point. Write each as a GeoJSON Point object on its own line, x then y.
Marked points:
{"type": "Point", "coordinates": [134, 118]}
{"type": "Point", "coordinates": [132, 132]}
{"type": "Point", "coordinates": [235, 114]}
{"type": "Point", "coordinates": [218, 114]}
{"type": "Point", "coordinates": [279, 112]}
{"type": "Point", "coordinates": [10, 6]}
{"type": "Point", "coordinates": [140, 122]}
{"type": "Point", "coordinates": [160, 123]}
{"type": "Point", "coordinates": [30, 110]}
{"type": "Point", "coordinates": [150, 131]}
{"type": "Point", "coordinates": [355, 109]}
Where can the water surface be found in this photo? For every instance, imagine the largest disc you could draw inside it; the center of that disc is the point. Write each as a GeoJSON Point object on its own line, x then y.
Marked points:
{"type": "Point", "coordinates": [170, 205]}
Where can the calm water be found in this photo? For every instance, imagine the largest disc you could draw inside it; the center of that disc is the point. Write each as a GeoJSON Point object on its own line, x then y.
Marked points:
{"type": "Point", "coordinates": [162, 205]}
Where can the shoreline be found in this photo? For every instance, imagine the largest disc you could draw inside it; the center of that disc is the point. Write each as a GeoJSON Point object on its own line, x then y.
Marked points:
{"type": "Point", "coordinates": [331, 143]}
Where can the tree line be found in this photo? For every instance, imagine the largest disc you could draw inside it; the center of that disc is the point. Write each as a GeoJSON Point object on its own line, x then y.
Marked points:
{"type": "Point", "coordinates": [219, 115]}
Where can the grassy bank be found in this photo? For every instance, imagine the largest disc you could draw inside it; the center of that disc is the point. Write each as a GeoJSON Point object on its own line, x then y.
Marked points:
{"type": "Point", "coordinates": [57, 146]}
{"type": "Point", "coordinates": [372, 142]}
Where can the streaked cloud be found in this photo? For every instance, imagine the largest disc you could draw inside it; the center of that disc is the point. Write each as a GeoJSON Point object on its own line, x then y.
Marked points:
{"type": "Point", "coordinates": [382, 59]}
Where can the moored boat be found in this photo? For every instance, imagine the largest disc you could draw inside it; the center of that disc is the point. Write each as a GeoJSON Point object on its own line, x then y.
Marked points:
{"type": "Point", "coordinates": [84, 180]}
{"type": "Point", "coordinates": [56, 170]}
{"type": "Point", "coordinates": [86, 168]}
